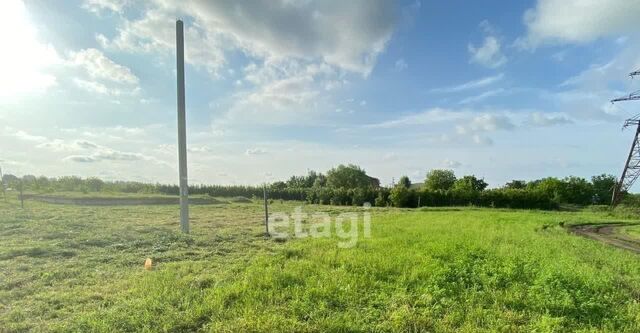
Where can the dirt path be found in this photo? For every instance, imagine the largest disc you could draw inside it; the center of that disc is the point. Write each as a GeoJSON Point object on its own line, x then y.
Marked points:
{"type": "Point", "coordinates": [119, 201]}
{"type": "Point", "coordinates": [608, 233]}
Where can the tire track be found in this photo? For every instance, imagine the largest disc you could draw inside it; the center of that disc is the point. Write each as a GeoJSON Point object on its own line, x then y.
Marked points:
{"type": "Point", "coordinates": [608, 233]}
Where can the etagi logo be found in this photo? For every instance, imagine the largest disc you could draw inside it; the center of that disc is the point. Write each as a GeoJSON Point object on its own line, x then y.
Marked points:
{"type": "Point", "coordinates": [321, 225]}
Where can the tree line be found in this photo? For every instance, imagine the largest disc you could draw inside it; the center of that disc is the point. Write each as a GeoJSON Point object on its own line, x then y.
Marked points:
{"type": "Point", "coordinates": [350, 185]}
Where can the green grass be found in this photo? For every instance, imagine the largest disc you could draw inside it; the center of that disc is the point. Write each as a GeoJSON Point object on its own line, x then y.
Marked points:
{"type": "Point", "coordinates": [632, 232]}
{"type": "Point", "coordinates": [65, 268]}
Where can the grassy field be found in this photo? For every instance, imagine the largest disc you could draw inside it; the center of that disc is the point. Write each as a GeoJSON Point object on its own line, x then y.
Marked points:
{"type": "Point", "coordinates": [66, 268]}
{"type": "Point", "coordinates": [632, 231]}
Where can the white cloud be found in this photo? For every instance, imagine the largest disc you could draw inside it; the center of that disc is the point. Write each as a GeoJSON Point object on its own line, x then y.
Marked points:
{"type": "Point", "coordinates": [588, 105]}
{"type": "Point", "coordinates": [298, 53]}
{"type": "Point", "coordinates": [282, 101]}
{"type": "Point", "coordinates": [99, 66]}
{"type": "Point", "coordinates": [483, 96]}
{"type": "Point", "coordinates": [29, 137]}
{"type": "Point", "coordinates": [85, 151]}
{"type": "Point", "coordinates": [544, 119]}
{"type": "Point", "coordinates": [349, 35]}
{"type": "Point", "coordinates": [282, 93]}
{"type": "Point", "coordinates": [486, 123]}
{"type": "Point", "coordinates": [80, 159]}
{"type": "Point", "coordinates": [482, 140]}
{"type": "Point", "coordinates": [114, 155]}
{"type": "Point", "coordinates": [474, 84]}
{"type": "Point", "coordinates": [586, 95]}
{"type": "Point", "coordinates": [100, 75]}
{"type": "Point", "coordinates": [401, 65]}
{"type": "Point", "coordinates": [450, 164]}
{"type": "Point", "coordinates": [461, 126]}
{"type": "Point", "coordinates": [91, 86]}
{"type": "Point", "coordinates": [390, 157]}
{"type": "Point", "coordinates": [199, 149]}
{"type": "Point", "coordinates": [95, 87]}
{"type": "Point", "coordinates": [98, 6]}
{"type": "Point", "coordinates": [467, 120]}
{"type": "Point", "coordinates": [155, 33]}
{"type": "Point", "coordinates": [597, 75]}
{"type": "Point", "coordinates": [58, 145]}
{"type": "Point", "coordinates": [578, 21]}
{"type": "Point", "coordinates": [255, 151]}
{"type": "Point", "coordinates": [430, 116]}
{"type": "Point", "coordinates": [488, 54]}
{"type": "Point", "coordinates": [102, 153]}
{"type": "Point", "coordinates": [451, 126]}
{"type": "Point", "coordinates": [90, 151]}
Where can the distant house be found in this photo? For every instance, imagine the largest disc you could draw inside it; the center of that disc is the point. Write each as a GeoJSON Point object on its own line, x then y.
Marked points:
{"type": "Point", "coordinates": [416, 186]}
{"type": "Point", "coordinates": [375, 182]}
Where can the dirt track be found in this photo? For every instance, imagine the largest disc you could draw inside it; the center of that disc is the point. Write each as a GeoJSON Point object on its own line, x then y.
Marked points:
{"type": "Point", "coordinates": [115, 201]}
{"type": "Point", "coordinates": [608, 233]}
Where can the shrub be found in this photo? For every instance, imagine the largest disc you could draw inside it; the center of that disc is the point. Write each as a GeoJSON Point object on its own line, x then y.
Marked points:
{"type": "Point", "coordinates": [400, 196]}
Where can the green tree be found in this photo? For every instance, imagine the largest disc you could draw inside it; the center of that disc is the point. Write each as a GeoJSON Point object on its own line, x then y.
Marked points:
{"type": "Point", "coordinates": [347, 176]}
{"type": "Point", "coordinates": [577, 191]}
{"type": "Point", "coordinates": [405, 181]}
{"type": "Point", "coordinates": [573, 190]}
{"type": "Point", "coordinates": [310, 179]}
{"type": "Point", "coordinates": [381, 199]}
{"type": "Point", "coordinates": [42, 184]}
{"type": "Point", "coordinates": [400, 196]}
{"type": "Point", "coordinates": [439, 180]}
{"type": "Point", "coordinates": [279, 185]}
{"type": "Point", "coordinates": [10, 181]}
{"type": "Point", "coordinates": [320, 181]}
{"type": "Point", "coordinates": [307, 181]}
{"type": "Point", "coordinates": [296, 182]}
{"type": "Point", "coordinates": [516, 184]}
{"type": "Point", "coordinates": [470, 184]}
{"type": "Point", "coordinates": [550, 186]}
{"type": "Point", "coordinates": [94, 184]}
{"type": "Point", "coordinates": [603, 188]}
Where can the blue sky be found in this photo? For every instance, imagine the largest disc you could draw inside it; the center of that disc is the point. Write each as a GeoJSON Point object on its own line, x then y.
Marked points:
{"type": "Point", "coordinates": [500, 89]}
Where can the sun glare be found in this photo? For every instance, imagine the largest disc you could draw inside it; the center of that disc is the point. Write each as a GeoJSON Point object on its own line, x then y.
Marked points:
{"type": "Point", "coordinates": [24, 60]}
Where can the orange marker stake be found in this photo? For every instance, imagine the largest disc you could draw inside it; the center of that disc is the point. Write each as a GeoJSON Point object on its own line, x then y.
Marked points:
{"type": "Point", "coordinates": [148, 264]}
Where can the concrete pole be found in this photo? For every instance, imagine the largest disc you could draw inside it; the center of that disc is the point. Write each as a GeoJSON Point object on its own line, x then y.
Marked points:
{"type": "Point", "coordinates": [4, 195]}
{"type": "Point", "coordinates": [266, 209]}
{"type": "Point", "coordinates": [182, 131]}
{"type": "Point", "coordinates": [21, 195]}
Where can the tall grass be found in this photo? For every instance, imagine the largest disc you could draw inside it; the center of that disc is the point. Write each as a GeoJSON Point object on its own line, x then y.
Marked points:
{"type": "Point", "coordinates": [456, 269]}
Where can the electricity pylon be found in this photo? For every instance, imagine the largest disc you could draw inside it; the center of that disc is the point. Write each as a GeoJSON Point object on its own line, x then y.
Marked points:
{"type": "Point", "coordinates": [631, 170]}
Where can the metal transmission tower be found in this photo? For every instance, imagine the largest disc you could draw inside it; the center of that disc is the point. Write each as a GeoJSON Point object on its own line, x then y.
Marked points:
{"type": "Point", "coordinates": [631, 170]}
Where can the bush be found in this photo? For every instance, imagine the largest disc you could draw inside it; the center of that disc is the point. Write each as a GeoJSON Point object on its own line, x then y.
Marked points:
{"type": "Point", "coordinates": [441, 189]}
{"type": "Point", "coordinates": [382, 200]}
{"type": "Point", "coordinates": [400, 196]}
{"type": "Point", "coordinates": [439, 180]}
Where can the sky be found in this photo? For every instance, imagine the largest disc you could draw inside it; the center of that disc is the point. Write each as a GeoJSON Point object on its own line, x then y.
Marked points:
{"type": "Point", "coordinates": [499, 89]}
